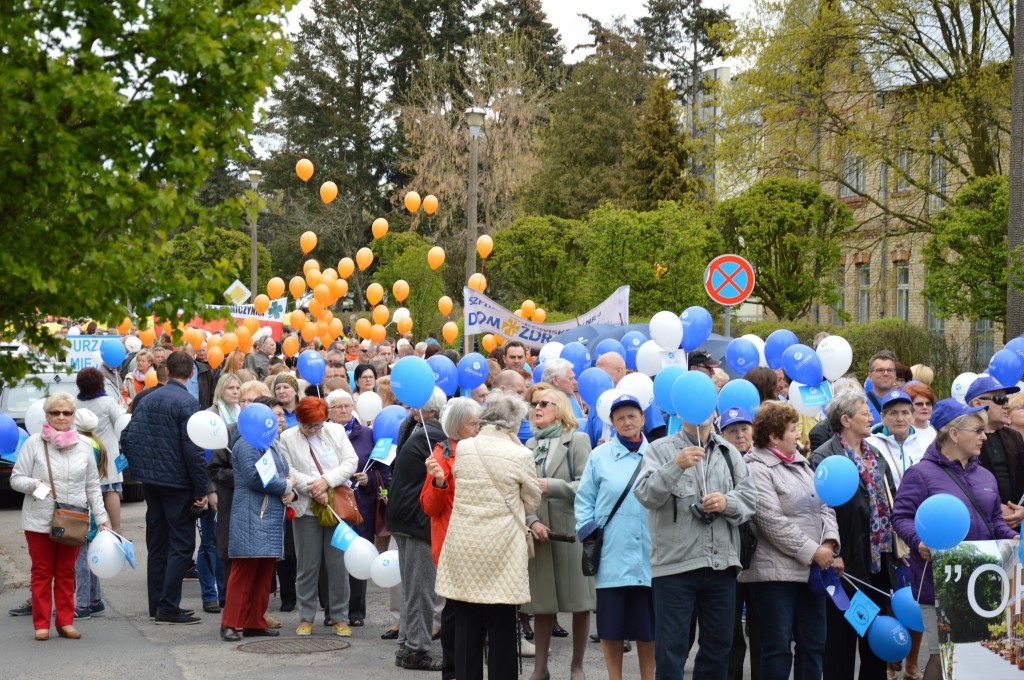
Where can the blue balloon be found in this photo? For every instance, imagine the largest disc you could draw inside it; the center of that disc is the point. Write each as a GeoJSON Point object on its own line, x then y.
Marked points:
{"type": "Point", "coordinates": [112, 352]}
{"type": "Point", "coordinates": [412, 381]}
{"type": "Point", "coordinates": [775, 345]}
{"type": "Point", "coordinates": [696, 327]}
{"type": "Point", "coordinates": [631, 342]}
{"type": "Point", "coordinates": [739, 393]}
{"type": "Point", "coordinates": [693, 396]}
{"type": "Point", "coordinates": [742, 355]}
{"type": "Point", "coordinates": [907, 610]}
{"type": "Point", "coordinates": [942, 521]}
{"type": "Point", "coordinates": [802, 364]}
{"type": "Point", "coordinates": [836, 479]}
{"type": "Point", "coordinates": [576, 354]}
{"type": "Point", "coordinates": [1006, 367]}
{"type": "Point", "coordinates": [609, 345]}
{"type": "Point", "coordinates": [1017, 347]}
{"type": "Point", "coordinates": [311, 367]}
{"type": "Point", "coordinates": [889, 639]}
{"type": "Point", "coordinates": [663, 386]}
{"type": "Point", "coordinates": [8, 434]}
{"type": "Point", "coordinates": [538, 373]}
{"type": "Point", "coordinates": [446, 375]}
{"type": "Point", "coordinates": [473, 371]}
{"type": "Point", "coordinates": [593, 382]}
{"type": "Point", "coordinates": [258, 425]}
{"type": "Point", "coordinates": [387, 423]}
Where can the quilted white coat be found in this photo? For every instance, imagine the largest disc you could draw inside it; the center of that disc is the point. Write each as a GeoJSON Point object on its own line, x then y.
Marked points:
{"type": "Point", "coordinates": [484, 558]}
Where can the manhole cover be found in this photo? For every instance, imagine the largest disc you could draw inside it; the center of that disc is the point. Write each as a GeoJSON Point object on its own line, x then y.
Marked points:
{"type": "Point", "coordinates": [294, 646]}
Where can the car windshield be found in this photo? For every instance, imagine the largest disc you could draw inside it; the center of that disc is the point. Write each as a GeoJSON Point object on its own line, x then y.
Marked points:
{"type": "Point", "coordinates": [17, 399]}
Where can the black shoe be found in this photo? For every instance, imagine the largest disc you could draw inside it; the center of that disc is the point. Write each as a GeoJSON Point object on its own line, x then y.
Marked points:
{"type": "Point", "coordinates": [98, 609]}
{"type": "Point", "coordinates": [528, 635]}
{"type": "Point", "coordinates": [389, 634]}
{"type": "Point", "coordinates": [287, 607]}
{"type": "Point", "coordinates": [328, 621]}
{"type": "Point", "coordinates": [229, 634]}
{"type": "Point", "coordinates": [400, 655]}
{"type": "Point", "coordinates": [421, 661]}
{"type": "Point", "coordinates": [177, 619]}
{"type": "Point", "coordinates": [594, 638]}
{"type": "Point", "coordinates": [211, 608]}
{"type": "Point", "coordinates": [259, 632]}
{"type": "Point", "coordinates": [23, 610]}
{"type": "Point", "coordinates": [627, 646]}
{"type": "Point", "coordinates": [192, 574]}
{"type": "Point", "coordinates": [559, 632]}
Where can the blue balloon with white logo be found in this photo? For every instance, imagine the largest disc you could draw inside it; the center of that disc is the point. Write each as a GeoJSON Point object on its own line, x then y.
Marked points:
{"type": "Point", "coordinates": [592, 383]}
{"type": "Point", "coordinates": [775, 346]}
{"type": "Point", "coordinates": [258, 425]}
{"type": "Point", "coordinates": [412, 381]}
{"type": "Point", "coordinates": [802, 364]}
{"type": "Point", "coordinates": [473, 371]}
{"type": "Point", "coordinates": [1017, 347]}
{"type": "Point", "coordinates": [942, 521]}
{"type": "Point", "coordinates": [8, 434]}
{"type": "Point", "coordinates": [576, 354]}
{"type": "Point", "coordinates": [907, 610]}
{"type": "Point", "coordinates": [693, 396]}
{"type": "Point", "coordinates": [312, 367]}
{"type": "Point", "coordinates": [836, 480]}
{"type": "Point", "coordinates": [538, 373]}
{"type": "Point", "coordinates": [609, 345]}
{"type": "Point", "coordinates": [742, 355]}
{"type": "Point", "coordinates": [112, 352]}
{"type": "Point", "coordinates": [631, 342]}
{"type": "Point", "coordinates": [696, 327]}
{"type": "Point", "coordinates": [446, 375]}
{"type": "Point", "coordinates": [739, 393]}
{"type": "Point", "coordinates": [889, 639]}
{"type": "Point", "coordinates": [388, 422]}
{"type": "Point", "coordinates": [663, 386]}
{"type": "Point", "coordinates": [1006, 367]}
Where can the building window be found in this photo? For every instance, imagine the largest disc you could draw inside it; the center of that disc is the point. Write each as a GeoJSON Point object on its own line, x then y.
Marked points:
{"type": "Point", "coordinates": [853, 175]}
{"type": "Point", "coordinates": [863, 293]}
{"type": "Point", "coordinates": [902, 179]}
{"type": "Point", "coordinates": [936, 178]}
{"type": "Point", "coordinates": [903, 290]}
{"type": "Point", "coordinates": [935, 325]}
{"type": "Point", "coordinates": [840, 306]}
{"type": "Point", "coordinates": [984, 341]}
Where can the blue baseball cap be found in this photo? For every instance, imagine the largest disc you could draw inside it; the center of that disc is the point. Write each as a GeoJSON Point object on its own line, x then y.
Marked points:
{"type": "Point", "coordinates": [984, 384]}
{"type": "Point", "coordinates": [896, 396]}
{"type": "Point", "coordinates": [734, 415]}
{"type": "Point", "coordinates": [948, 410]}
{"type": "Point", "coordinates": [625, 400]}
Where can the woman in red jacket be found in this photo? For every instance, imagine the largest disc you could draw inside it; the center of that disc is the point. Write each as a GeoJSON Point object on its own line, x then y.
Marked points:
{"type": "Point", "coordinates": [459, 420]}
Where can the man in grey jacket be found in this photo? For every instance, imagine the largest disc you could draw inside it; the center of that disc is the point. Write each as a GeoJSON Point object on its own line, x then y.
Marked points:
{"type": "Point", "coordinates": [695, 503]}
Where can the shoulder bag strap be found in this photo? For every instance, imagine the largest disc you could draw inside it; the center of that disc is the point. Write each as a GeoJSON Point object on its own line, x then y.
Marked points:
{"type": "Point", "coordinates": [315, 461]}
{"type": "Point", "coordinates": [49, 470]}
{"type": "Point", "coordinates": [970, 497]}
{"type": "Point", "coordinates": [625, 492]}
{"type": "Point", "coordinates": [874, 401]}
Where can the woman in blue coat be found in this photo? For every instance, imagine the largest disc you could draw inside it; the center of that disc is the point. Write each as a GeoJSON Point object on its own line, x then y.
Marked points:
{"type": "Point", "coordinates": [256, 537]}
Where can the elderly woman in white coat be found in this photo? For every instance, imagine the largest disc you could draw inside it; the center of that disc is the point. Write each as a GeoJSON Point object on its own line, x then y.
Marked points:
{"type": "Point", "coordinates": [320, 458]}
{"type": "Point", "coordinates": [483, 565]}
{"type": "Point", "coordinates": [57, 464]}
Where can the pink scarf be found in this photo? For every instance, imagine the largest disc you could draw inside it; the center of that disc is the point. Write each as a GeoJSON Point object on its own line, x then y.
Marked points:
{"type": "Point", "coordinates": [62, 440]}
{"type": "Point", "coordinates": [781, 456]}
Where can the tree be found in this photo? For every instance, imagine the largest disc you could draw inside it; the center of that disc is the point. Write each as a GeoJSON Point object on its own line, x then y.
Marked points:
{"type": "Point", "coordinates": [404, 256]}
{"type": "Point", "coordinates": [527, 18]}
{"type": "Point", "coordinates": [1015, 227]}
{"type": "Point", "coordinates": [789, 231]}
{"type": "Point", "coordinates": [112, 115]}
{"type": "Point", "coordinates": [222, 255]}
{"type": "Point", "coordinates": [963, 560]}
{"type": "Point", "coordinates": [966, 256]}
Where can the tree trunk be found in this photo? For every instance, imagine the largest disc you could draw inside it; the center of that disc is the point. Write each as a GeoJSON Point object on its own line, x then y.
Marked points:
{"type": "Point", "coordinates": [1015, 228]}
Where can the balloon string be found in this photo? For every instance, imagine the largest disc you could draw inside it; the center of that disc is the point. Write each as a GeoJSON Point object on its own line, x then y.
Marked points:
{"type": "Point", "coordinates": [430, 447]}
{"type": "Point", "coordinates": [851, 579]}
{"type": "Point", "coordinates": [918, 598]}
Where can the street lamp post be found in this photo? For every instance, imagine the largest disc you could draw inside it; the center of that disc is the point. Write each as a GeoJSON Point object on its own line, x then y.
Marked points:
{"type": "Point", "coordinates": [475, 120]}
{"type": "Point", "coordinates": [254, 181]}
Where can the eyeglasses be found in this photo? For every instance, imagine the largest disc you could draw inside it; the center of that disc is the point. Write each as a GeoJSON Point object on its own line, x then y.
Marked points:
{"type": "Point", "coordinates": [883, 370]}
{"type": "Point", "coordinates": [922, 404]}
{"type": "Point", "coordinates": [542, 404]}
{"type": "Point", "coordinates": [66, 414]}
{"type": "Point", "coordinates": [975, 430]}
{"type": "Point", "coordinates": [316, 426]}
{"type": "Point", "coordinates": [998, 399]}
{"type": "Point", "coordinates": [340, 407]}
{"type": "Point", "coordinates": [368, 376]}
{"type": "Point", "coordinates": [336, 364]}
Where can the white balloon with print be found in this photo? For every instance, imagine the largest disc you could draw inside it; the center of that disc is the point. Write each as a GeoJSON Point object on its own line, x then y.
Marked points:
{"type": "Point", "coordinates": [960, 386]}
{"type": "Point", "coordinates": [836, 356]}
{"type": "Point", "coordinates": [207, 430]}
{"type": "Point", "coordinates": [666, 330]}
{"type": "Point", "coordinates": [106, 558]}
{"type": "Point", "coordinates": [604, 403]}
{"type": "Point", "coordinates": [35, 417]}
{"type": "Point", "coordinates": [368, 405]}
{"type": "Point", "coordinates": [552, 350]}
{"type": "Point", "coordinates": [649, 358]}
{"type": "Point", "coordinates": [384, 570]}
{"type": "Point", "coordinates": [640, 386]}
{"type": "Point", "coordinates": [797, 402]}
{"type": "Point", "coordinates": [359, 558]}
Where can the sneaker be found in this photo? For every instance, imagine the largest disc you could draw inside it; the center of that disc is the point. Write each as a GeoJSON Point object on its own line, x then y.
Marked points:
{"type": "Point", "coordinates": [305, 628]}
{"type": "Point", "coordinates": [82, 614]}
{"type": "Point", "coordinates": [176, 619]}
{"type": "Point", "coordinates": [400, 655]}
{"type": "Point", "coordinates": [341, 630]}
{"type": "Point", "coordinates": [527, 649]}
{"type": "Point", "coordinates": [98, 609]}
{"type": "Point", "coordinates": [421, 661]}
{"type": "Point", "coordinates": [192, 574]}
{"type": "Point", "coordinates": [23, 610]}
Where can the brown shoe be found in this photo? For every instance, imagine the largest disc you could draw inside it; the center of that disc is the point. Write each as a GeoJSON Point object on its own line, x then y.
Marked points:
{"type": "Point", "coordinates": [42, 635]}
{"type": "Point", "coordinates": [271, 621]}
{"type": "Point", "coordinates": [69, 632]}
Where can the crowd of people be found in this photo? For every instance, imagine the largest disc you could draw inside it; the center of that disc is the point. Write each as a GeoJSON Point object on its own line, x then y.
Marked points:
{"type": "Point", "coordinates": [497, 497]}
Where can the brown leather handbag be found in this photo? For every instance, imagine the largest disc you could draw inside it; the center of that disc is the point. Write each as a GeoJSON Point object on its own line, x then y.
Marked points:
{"type": "Point", "coordinates": [70, 523]}
{"type": "Point", "coordinates": [340, 499]}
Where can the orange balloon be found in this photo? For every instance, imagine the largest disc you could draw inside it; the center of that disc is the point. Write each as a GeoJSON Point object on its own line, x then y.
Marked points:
{"type": "Point", "coordinates": [214, 357]}
{"type": "Point", "coordinates": [378, 333]}
{"type": "Point", "coordinates": [328, 275]}
{"type": "Point", "coordinates": [336, 327]}
{"type": "Point", "coordinates": [478, 282]}
{"type": "Point", "coordinates": [412, 201]}
{"type": "Point", "coordinates": [364, 258]}
{"type": "Point", "coordinates": [519, 313]}
{"type": "Point", "coordinates": [326, 339]}
{"type": "Point", "coordinates": [322, 293]}
{"type": "Point", "coordinates": [381, 314]}
{"type": "Point", "coordinates": [229, 343]}
{"type": "Point", "coordinates": [401, 290]}
{"type": "Point", "coordinates": [322, 327]}
{"type": "Point", "coordinates": [147, 336]}
{"type": "Point", "coordinates": [484, 246]}
{"type": "Point", "coordinates": [445, 305]}
{"type": "Point", "coordinates": [430, 204]}
{"type": "Point", "coordinates": [307, 241]}
{"type": "Point", "coordinates": [363, 328]}
{"type": "Point", "coordinates": [315, 308]}
{"type": "Point", "coordinates": [195, 337]}
{"type": "Point", "coordinates": [275, 288]}
{"type": "Point", "coordinates": [326, 315]}
{"type": "Point", "coordinates": [488, 342]}
{"type": "Point", "coordinates": [244, 336]}
{"type": "Point", "coordinates": [297, 319]}
{"type": "Point", "coordinates": [404, 325]}
{"type": "Point", "coordinates": [528, 307]}
{"type": "Point", "coordinates": [380, 227]}
{"type": "Point", "coordinates": [450, 331]}
{"type": "Point", "coordinates": [261, 303]}
{"type": "Point", "coordinates": [213, 341]}
{"type": "Point", "coordinates": [151, 381]}
{"type": "Point", "coordinates": [290, 346]}
{"type": "Point", "coordinates": [297, 287]}
{"type": "Point", "coordinates": [252, 323]}
{"type": "Point", "coordinates": [313, 277]}
{"type": "Point", "coordinates": [304, 169]}
{"type": "Point", "coordinates": [500, 340]}
{"type": "Point", "coordinates": [374, 293]}
{"type": "Point", "coordinates": [328, 192]}
{"type": "Point", "coordinates": [309, 332]}
{"type": "Point", "coordinates": [435, 258]}
{"type": "Point", "coordinates": [309, 264]}
{"type": "Point", "coordinates": [339, 288]}
{"type": "Point", "coordinates": [125, 326]}
{"type": "Point", "coordinates": [539, 315]}
{"type": "Point", "coordinates": [345, 267]}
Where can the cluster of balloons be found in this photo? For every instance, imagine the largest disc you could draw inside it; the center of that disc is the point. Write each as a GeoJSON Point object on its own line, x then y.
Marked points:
{"type": "Point", "coordinates": [363, 561]}
{"type": "Point", "coordinates": [530, 310]}
{"type": "Point", "coordinates": [107, 554]}
{"type": "Point", "coordinates": [1006, 366]}
{"type": "Point", "coordinates": [670, 334]}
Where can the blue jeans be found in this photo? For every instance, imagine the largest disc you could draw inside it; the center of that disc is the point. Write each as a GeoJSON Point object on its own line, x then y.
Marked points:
{"type": "Point", "coordinates": [87, 586]}
{"type": "Point", "coordinates": [208, 565]}
{"type": "Point", "coordinates": [788, 612]}
{"type": "Point", "coordinates": [675, 597]}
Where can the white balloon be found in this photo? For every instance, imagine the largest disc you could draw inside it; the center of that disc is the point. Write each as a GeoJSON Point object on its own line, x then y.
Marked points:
{"type": "Point", "coordinates": [207, 430]}
{"type": "Point", "coordinates": [666, 330]}
{"type": "Point", "coordinates": [97, 359]}
{"type": "Point", "coordinates": [400, 313]}
{"type": "Point", "coordinates": [552, 350]}
{"type": "Point", "coordinates": [121, 423]}
{"type": "Point", "coordinates": [960, 386]}
{"type": "Point", "coordinates": [604, 403]}
{"type": "Point", "coordinates": [132, 344]}
{"type": "Point", "coordinates": [368, 405]}
{"type": "Point", "coordinates": [384, 570]}
{"type": "Point", "coordinates": [649, 358]}
{"type": "Point", "coordinates": [836, 356]}
{"type": "Point", "coordinates": [35, 417]}
{"type": "Point", "coordinates": [759, 344]}
{"type": "Point", "coordinates": [359, 558]}
{"type": "Point", "coordinates": [797, 402]}
{"type": "Point", "coordinates": [74, 330]}
{"type": "Point", "coordinates": [106, 558]}
{"type": "Point", "coordinates": [640, 386]}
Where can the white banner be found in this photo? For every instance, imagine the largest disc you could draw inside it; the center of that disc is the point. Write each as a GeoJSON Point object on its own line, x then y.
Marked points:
{"type": "Point", "coordinates": [275, 313]}
{"type": "Point", "coordinates": [484, 315]}
{"type": "Point", "coordinates": [83, 348]}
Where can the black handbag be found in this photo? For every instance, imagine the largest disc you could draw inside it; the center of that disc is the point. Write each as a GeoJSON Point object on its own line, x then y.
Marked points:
{"type": "Point", "coordinates": [592, 544]}
{"type": "Point", "coordinates": [748, 541]}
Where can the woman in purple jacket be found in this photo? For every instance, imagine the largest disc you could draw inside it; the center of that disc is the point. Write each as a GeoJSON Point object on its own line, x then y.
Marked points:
{"type": "Point", "coordinates": [950, 465]}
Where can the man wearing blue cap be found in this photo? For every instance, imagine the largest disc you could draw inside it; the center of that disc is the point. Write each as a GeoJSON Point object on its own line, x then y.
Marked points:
{"type": "Point", "coordinates": [1003, 451]}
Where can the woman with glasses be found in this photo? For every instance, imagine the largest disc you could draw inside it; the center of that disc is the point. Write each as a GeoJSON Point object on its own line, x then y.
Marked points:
{"type": "Point", "coordinates": [321, 458]}
{"type": "Point", "coordinates": [1002, 453]}
{"type": "Point", "coordinates": [924, 402]}
{"type": "Point", "coordinates": [366, 378]}
{"type": "Point", "coordinates": [286, 391]}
